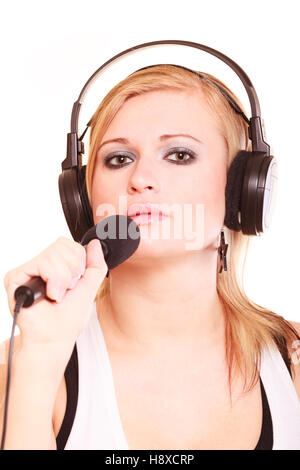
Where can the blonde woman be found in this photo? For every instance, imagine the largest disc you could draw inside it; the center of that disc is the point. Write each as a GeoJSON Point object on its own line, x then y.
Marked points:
{"type": "Point", "coordinates": [169, 351]}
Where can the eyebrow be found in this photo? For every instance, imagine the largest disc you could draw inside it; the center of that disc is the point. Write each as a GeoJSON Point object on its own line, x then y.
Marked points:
{"type": "Point", "coordinates": [122, 140]}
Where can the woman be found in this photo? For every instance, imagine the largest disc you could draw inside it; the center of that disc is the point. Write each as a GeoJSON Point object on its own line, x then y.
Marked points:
{"type": "Point", "coordinates": [171, 354]}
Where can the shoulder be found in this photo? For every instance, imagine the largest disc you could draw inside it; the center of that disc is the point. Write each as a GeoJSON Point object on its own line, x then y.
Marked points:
{"type": "Point", "coordinates": [294, 353]}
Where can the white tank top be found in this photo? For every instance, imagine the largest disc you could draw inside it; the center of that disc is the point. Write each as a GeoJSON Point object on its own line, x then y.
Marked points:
{"type": "Point", "coordinates": [97, 424]}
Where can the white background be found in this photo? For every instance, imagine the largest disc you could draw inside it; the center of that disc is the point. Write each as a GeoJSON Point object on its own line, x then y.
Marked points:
{"type": "Point", "coordinates": [50, 49]}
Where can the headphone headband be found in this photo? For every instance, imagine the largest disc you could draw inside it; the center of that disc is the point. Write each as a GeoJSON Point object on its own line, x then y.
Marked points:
{"type": "Point", "coordinates": [75, 147]}
{"type": "Point", "coordinates": [251, 177]}
{"type": "Point", "coordinates": [224, 92]}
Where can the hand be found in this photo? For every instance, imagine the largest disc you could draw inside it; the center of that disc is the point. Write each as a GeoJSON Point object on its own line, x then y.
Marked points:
{"type": "Point", "coordinates": [73, 276]}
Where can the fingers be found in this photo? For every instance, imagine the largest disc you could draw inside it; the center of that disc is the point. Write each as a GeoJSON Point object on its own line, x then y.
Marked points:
{"type": "Point", "coordinates": [73, 276]}
{"type": "Point", "coordinates": [60, 265]}
{"type": "Point", "coordinates": [96, 269]}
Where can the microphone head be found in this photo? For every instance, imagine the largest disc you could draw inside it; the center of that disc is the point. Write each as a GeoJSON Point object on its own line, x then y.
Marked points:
{"type": "Point", "coordinates": [119, 236]}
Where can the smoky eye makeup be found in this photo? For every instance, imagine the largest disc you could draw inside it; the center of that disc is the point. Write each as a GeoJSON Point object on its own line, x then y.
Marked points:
{"type": "Point", "coordinates": [175, 155]}
{"type": "Point", "coordinates": [118, 159]}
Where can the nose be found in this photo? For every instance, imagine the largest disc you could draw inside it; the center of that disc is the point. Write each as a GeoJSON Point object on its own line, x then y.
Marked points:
{"type": "Point", "coordinates": [139, 188]}
{"type": "Point", "coordinates": [142, 179]}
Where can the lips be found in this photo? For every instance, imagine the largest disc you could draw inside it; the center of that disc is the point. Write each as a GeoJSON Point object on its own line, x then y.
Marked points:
{"type": "Point", "coordinates": [139, 209]}
{"type": "Point", "coordinates": [144, 214]}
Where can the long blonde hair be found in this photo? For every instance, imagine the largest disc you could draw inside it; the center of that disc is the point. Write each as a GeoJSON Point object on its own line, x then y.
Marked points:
{"type": "Point", "coordinates": [249, 327]}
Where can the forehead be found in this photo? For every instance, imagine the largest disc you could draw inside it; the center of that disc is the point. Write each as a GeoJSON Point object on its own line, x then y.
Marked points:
{"type": "Point", "coordinates": [166, 111]}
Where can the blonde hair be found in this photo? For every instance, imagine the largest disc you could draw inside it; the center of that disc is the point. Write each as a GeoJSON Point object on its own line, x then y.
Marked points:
{"type": "Point", "coordinates": [249, 327]}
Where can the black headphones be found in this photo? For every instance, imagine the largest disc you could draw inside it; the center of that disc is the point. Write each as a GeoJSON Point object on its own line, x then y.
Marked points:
{"type": "Point", "coordinates": [251, 177]}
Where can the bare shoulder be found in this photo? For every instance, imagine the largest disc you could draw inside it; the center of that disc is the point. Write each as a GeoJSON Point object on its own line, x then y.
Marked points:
{"type": "Point", "coordinates": [294, 352]}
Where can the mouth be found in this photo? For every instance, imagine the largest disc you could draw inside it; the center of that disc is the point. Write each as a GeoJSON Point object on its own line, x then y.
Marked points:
{"type": "Point", "coordinates": [146, 214]}
{"type": "Point", "coordinates": [148, 218]}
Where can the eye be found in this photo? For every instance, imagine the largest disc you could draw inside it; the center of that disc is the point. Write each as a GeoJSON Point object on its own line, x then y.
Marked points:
{"type": "Point", "coordinates": [182, 157]}
{"type": "Point", "coordinates": [120, 161]}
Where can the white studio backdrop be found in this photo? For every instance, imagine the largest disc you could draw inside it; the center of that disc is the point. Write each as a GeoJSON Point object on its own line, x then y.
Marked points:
{"type": "Point", "coordinates": [50, 49]}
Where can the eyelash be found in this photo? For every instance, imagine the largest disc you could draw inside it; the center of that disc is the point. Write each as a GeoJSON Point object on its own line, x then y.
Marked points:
{"type": "Point", "coordinates": [171, 152]}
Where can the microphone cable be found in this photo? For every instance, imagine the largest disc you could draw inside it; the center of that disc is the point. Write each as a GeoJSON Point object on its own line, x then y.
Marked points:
{"type": "Point", "coordinates": [21, 299]}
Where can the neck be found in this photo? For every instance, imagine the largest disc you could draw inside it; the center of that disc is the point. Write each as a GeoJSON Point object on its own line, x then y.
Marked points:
{"type": "Point", "coordinates": [151, 305]}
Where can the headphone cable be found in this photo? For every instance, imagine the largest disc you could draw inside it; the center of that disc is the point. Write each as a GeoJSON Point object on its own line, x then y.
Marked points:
{"type": "Point", "coordinates": [19, 304]}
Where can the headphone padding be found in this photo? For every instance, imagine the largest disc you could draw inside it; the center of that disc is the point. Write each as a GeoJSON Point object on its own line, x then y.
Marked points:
{"type": "Point", "coordinates": [233, 190]}
{"type": "Point", "coordinates": [71, 190]}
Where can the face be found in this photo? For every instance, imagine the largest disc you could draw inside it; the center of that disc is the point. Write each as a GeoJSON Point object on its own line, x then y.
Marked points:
{"type": "Point", "coordinates": [184, 176]}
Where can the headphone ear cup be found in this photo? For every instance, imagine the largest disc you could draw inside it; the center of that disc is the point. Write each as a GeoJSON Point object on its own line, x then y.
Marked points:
{"type": "Point", "coordinates": [233, 190]}
{"type": "Point", "coordinates": [74, 199]}
{"type": "Point", "coordinates": [86, 207]}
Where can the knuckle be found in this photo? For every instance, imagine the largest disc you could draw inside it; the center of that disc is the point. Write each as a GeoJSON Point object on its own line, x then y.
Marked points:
{"type": "Point", "coordinates": [7, 279]}
{"type": "Point", "coordinates": [76, 262]}
{"type": "Point", "coordinates": [58, 282]}
{"type": "Point", "coordinates": [62, 277]}
{"type": "Point", "coordinates": [65, 277]}
{"type": "Point", "coordinates": [52, 267]}
{"type": "Point", "coordinates": [46, 260]}
{"type": "Point", "coordinates": [62, 240]}
{"type": "Point", "coordinates": [75, 253]}
{"type": "Point", "coordinates": [64, 261]}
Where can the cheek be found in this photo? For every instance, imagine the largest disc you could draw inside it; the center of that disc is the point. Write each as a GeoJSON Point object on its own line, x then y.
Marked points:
{"type": "Point", "coordinates": [214, 199]}
{"type": "Point", "coordinates": [208, 189]}
{"type": "Point", "coordinates": [207, 186]}
{"type": "Point", "coordinates": [103, 197]}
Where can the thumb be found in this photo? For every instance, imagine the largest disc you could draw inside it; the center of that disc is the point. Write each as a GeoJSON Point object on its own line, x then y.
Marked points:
{"type": "Point", "coordinates": [96, 267]}
{"type": "Point", "coordinates": [95, 256]}
{"type": "Point", "coordinates": [95, 272]}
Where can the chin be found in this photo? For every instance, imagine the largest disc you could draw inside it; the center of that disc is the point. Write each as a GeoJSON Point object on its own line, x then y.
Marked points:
{"type": "Point", "coordinates": [162, 248]}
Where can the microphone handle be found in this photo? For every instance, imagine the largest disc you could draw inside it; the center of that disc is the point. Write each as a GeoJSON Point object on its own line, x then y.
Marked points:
{"type": "Point", "coordinates": [35, 288]}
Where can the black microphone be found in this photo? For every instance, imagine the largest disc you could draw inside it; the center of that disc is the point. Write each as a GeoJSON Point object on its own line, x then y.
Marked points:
{"type": "Point", "coordinates": [119, 236]}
